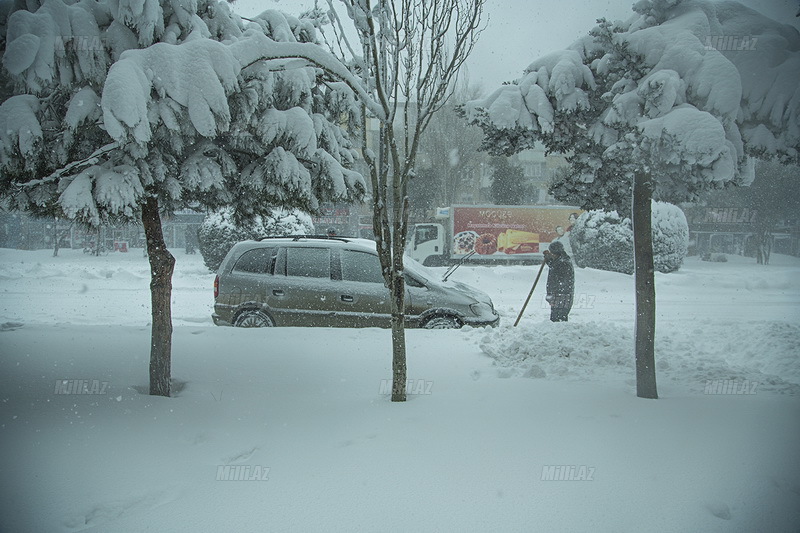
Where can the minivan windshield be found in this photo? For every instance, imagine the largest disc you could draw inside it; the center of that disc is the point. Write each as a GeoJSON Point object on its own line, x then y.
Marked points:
{"type": "Point", "coordinates": [419, 271]}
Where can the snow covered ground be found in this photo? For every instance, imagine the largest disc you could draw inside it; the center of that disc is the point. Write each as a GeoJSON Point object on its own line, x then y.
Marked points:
{"type": "Point", "coordinates": [496, 418]}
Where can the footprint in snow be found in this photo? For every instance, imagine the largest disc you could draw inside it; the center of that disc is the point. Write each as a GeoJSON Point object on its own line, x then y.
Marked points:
{"type": "Point", "coordinates": [505, 373]}
{"type": "Point", "coordinates": [241, 456]}
{"type": "Point", "coordinates": [112, 510]}
{"type": "Point", "coordinates": [719, 509]}
{"type": "Point", "coordinates": [351, 442]}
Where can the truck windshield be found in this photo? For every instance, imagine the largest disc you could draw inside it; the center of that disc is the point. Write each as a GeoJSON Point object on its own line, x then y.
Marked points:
{"type": "Point", "coordinates": [425, 233]}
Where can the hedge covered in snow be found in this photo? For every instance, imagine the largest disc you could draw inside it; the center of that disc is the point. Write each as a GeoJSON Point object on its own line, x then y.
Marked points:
{"type": "Point", "coordinates": [604, 239]}
{"type": "Point", "coordinates": [219, 233]}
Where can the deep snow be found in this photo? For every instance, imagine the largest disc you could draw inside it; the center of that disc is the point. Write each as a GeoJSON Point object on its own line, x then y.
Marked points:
{"type": "Point", "coordinates": [493, 412]}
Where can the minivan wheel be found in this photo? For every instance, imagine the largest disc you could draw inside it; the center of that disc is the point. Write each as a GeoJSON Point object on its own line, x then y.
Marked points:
{"type": "Point", "coordinates": [443, 322]}
{"type": "Point", "coordinates": [253, 319]}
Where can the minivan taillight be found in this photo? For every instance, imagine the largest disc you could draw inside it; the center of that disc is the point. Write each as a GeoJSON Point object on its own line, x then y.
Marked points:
{"type": "Point", "coordinates": [216, 286]}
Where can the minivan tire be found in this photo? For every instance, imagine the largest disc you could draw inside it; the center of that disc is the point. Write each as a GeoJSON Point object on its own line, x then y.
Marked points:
{"type": "Point", "coordinates": [253, 318]}
{"type": "Point", "coordinates": [443, 322]}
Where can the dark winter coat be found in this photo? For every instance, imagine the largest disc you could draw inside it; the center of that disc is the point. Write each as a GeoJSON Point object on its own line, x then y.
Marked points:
{"type": "Point", "coordinates": [560, 280]}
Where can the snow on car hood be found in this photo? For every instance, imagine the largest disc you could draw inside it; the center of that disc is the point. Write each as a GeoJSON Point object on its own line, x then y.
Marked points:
{"type": "Point", "coordinates": [432, 279]}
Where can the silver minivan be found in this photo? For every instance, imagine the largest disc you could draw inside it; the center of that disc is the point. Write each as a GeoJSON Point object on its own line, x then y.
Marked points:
{"type": "Point", "coordinates": [334, 282]}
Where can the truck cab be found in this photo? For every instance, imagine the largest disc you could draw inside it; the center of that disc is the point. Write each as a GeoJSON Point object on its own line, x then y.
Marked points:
{"type": "Point", "coordinates": [428, 244]}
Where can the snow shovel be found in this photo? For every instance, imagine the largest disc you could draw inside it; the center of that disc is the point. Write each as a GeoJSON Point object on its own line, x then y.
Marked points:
{"type": "Point", "coordinates": [528, 299]}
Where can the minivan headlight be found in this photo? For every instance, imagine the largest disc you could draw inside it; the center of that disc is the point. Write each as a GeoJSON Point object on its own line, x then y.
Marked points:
{"type": "Point", "coordinates": [481, 309]}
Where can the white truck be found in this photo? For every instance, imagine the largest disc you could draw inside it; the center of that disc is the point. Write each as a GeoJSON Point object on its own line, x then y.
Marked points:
{"type": "Point", "coordinates": [491, 233]}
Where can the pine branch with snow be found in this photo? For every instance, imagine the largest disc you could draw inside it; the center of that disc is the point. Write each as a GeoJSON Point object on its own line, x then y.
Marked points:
{"type": "Point", "coordinates": [208, 92]}
{"type": "Point", "coordinates": [653, 94]}
{"type": "Point", "coordinates": [127, 109]}
{"type": "Point", "coordinates": [650, 108]}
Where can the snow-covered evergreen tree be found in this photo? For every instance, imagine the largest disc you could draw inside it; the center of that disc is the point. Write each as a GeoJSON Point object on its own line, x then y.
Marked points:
{"type": "Point", "coordinates": [508, 182]}
{"type": "Point", "coordinates": [650, 107]}
{"type": "Point", "coordinates": [670, 237]}
{"type": "Point", "coordinates": [604, 239]}
{"type": "Point", "coordinates": [219, 231]}
{"type": "Point", "coordinates": [127, 109]}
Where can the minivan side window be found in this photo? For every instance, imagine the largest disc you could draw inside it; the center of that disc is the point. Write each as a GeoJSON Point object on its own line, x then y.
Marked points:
{"type": "Point", "coordinates": [308, 262]}
{"type": "Point", "coordinates": [361, 266]}
{"type": "Point", "coordinates": [258, 261]}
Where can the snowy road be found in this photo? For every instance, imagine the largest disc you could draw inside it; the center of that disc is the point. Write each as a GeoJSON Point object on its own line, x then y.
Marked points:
{"type": "Point", "coordinates": [80, 289]}
{"type": "Point", "coordinates": [494, 417]}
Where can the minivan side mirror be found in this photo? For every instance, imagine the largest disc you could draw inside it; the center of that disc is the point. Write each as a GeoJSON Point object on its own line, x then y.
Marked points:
{"type": "Point", "coordinates": [414, 282]}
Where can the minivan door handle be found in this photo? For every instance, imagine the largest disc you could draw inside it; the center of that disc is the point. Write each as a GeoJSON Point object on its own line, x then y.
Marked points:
{"type": "Point", "coordinates": [277, 292]}
{"type": "Point", "coordinates": [347, 298]}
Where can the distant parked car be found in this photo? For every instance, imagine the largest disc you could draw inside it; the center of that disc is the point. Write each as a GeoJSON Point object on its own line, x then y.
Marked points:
{"type": "Point", "coordinates": [334, 282]}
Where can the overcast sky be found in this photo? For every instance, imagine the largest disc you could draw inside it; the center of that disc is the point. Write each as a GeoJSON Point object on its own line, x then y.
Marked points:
{"type": "Point", "coordinates": [519, 31]}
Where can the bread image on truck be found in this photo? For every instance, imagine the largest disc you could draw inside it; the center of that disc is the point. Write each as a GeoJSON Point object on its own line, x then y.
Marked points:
{"type": "Point", "coordinates": [494, 233]}
{"type": "Point", "coordinates": [514, 241]}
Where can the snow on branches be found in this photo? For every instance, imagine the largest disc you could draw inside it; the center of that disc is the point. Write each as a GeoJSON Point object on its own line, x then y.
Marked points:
{"type": "Point", "coordinates": [114, 189]}
{"type": "Point", "coordinates": [118, 100]}
{"type": "Point", "coordinates": [20, 131]}
{"type": "Point", "coordinates": [57, 43]}
{"type": "Point", "coordinates": [199, 75]}
{"type": "Point", "coordinates": [654, 94]}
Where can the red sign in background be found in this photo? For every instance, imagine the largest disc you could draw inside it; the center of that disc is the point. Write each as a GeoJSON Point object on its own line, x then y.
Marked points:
{"type": "Point", "coordinates": [509, 229]}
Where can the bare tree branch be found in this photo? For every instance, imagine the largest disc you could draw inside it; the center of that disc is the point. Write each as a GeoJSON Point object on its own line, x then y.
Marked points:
{"type": "Point", "coordinates": [412, 50]}
{"type": "Point", "coordinates": [92, 159]}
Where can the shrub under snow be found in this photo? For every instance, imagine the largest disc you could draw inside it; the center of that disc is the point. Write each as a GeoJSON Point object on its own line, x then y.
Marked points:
{"type": "Point", "coordinates": [604, 239]}
{"type": "Point", "coordinates": [670, 236]}
{"type": "Point", "coordinates": [219, 232]}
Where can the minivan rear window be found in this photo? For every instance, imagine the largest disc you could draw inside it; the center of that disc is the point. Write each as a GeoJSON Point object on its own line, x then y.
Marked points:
{"type": "Point", "coordinates": [361, 266]}
{"type": "Point", "coordinates": [308, 262]}
{"type": "Point", "coordinates": [258, 261]}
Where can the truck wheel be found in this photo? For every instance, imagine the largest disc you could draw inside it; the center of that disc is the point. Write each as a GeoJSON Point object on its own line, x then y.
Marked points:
{"type": "Point", "coordinates": [443, 322]}
{"type": "Point", "coordinates": [253, 318]}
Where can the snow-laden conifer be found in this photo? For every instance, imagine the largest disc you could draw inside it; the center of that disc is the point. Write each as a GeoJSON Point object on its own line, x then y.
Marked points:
{"type": "Point", "coordinates": [126, 110]}
{"type": "Point", "coordinates": [219, 231]}
{"type": "Point", "coordinates": [604, 240]}
{"type": "Point", "coordinates": [652, 108]}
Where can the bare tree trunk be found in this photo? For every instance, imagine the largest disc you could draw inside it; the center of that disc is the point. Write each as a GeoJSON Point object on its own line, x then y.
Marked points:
{"type": "Point", "coordinates": [390, 252]}
{"type": "Point", "coordinates": [55, 236]}
{"type": "Point", "coordinates": [162, 264]}
{"type": "Point", "coordinates": [408, 56]}
{"type": "Point", "coordinates": [399, 374]}
{"type": "Point", "coordinates": [764, 246]}
{"type": "Point", "coordinates": [645, 287]}
{"type": "Point", "coordinates": [399, 370]}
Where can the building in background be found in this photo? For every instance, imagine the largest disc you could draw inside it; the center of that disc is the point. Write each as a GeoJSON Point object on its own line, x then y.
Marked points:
{"type": "Point", "coordinates": [538, 169]}
{"type": "Point", "coordinates": [732, 230]}
{"type": "Point", "coordinates": [24, 232]}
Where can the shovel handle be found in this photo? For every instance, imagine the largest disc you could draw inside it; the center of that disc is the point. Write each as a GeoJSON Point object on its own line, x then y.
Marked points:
{"type": "Point", "coordinates": [528, 299]}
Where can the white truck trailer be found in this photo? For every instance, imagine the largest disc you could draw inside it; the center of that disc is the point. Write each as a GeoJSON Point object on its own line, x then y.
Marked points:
{"type": "Point", "coordinates": [492, 233]}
